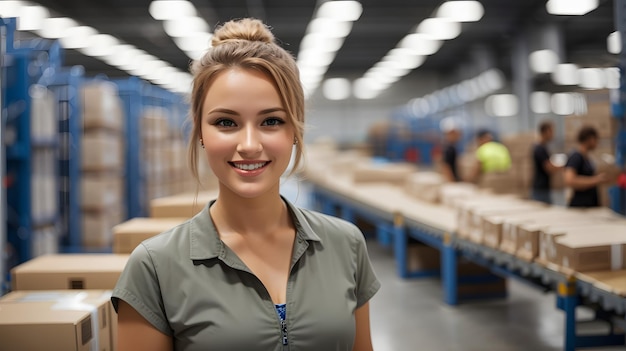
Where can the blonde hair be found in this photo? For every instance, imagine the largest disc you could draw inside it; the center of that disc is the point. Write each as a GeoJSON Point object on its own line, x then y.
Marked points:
{"type": "Point", "coordinates": [247, 44]}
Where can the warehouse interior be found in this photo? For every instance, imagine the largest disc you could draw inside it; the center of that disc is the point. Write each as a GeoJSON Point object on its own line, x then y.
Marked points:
{"type": "Point", "coordinates": [95, 131]}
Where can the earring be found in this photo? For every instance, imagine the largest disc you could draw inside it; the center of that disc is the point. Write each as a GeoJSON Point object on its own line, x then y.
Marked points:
{"type": "Point", "coordinates": [202, 143]}
{"type": "Point", "coordinates": [295, 141]}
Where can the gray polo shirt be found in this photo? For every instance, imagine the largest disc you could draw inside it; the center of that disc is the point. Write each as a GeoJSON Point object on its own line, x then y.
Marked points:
{"type": "Point", "coordinates": [191, 286]}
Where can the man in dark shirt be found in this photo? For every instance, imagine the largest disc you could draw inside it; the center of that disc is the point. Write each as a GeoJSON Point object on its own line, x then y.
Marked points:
{"type": "Point", "coordinates": [580, 173]}
{"type": "Point", "coordinates": [452, 136]}
{"type": "Point", "coordinates": [543, 168]}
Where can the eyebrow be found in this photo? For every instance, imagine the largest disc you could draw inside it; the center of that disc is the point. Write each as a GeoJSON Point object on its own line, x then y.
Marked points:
{"type": "Point", "coordinates": [263, 112]}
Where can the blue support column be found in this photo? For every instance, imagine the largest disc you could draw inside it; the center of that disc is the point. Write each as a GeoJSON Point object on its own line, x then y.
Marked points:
{"type": "Point", "coordinates": [567, 301]}
{"type": "Point", "coordinates": [449, 271]}
{"type": "Point", "coordinates": [618, 194]}
{"type": "Point", "coordinates": [382, 234]}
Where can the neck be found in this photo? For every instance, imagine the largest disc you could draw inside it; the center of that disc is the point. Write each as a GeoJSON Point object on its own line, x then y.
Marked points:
{"type": "Point", "coordinates": [544, 141]}
{"type": "Point", "coordinates": [583, 149]}
{"type": "Point", "coordinates": [262, 214]}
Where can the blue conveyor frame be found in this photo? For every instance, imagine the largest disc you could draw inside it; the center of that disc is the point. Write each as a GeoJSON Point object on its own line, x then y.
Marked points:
{"type": "Point", "coordinates": [570, 292]}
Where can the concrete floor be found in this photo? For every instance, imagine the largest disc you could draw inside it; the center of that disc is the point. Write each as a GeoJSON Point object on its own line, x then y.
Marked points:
{"type": "Point", "coordinates": [408, 315]}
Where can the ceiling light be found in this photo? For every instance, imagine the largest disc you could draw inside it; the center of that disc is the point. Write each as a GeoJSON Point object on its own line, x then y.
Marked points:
{"type": "Point", "coordinates": [10, 9]}
{"type": "Point", "coordinates": [461, 11]}
{"type": "Point", "coordinates": [341, 10]}
{"type": "Point", "coordinates": [329, 27]}
{"type": "Point", "coordinates": [55, 28]}
{"type": "Point", "coordinates": [195, 55]}
{"type": "Point", "coordinates": [592, 78]}
{"type": "Point", "coordinates": [420, 44]}
{"type": "Point", "coordinates": [171, 9]}
{"type": "Point", "coordinates": [404, 58]}
{"type": "Point", "coordinates": [77, 37]}
{"type": "Point", "coordinates": [540, 102]}
{"type": "Point", "coordinates": [31, 17]}
{"type": "Point", "coordinates": [492, 79]}
{"type": "Point", "coordinates": [315, 58]}
{"type": "Point", "coordinates": [321, 42]}
{"type": "Point", "coordinates": [571, 7]}
{"type": "Point", "coordinates": [100, 45]}
{"type": "Point", "coordinates": [612, 77]}
{"type": "Point", "coordinates": [181, 27]}
{"type": "Point", "coordinates": [439, 28]}
{"type": "Point", "coordinates": [464, 92]}
{"type": "Point", "coordinates": [122, 56]}
{"type": "Point", "coordinates": [562, 104]}
{"type": "Point", "coordinates": [194, 42]}
{"type": "Point", "coordinates": [362, 89]}
{"type": "Point", "coordinates": [614, 43]}
{"type": "Point", "coordinates": [502, 105]}
{"type": "Point", "coordinates": [565, 74]}
{"type": "Point", "coordinates": [543, 61]}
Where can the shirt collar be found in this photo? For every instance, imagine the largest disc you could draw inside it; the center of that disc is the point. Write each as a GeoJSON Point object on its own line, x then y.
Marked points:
{"type": "Point", "coordinates": [206, 244]}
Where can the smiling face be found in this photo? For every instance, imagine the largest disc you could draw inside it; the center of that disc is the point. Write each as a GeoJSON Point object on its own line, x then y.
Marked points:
{"type": "Point", "coordinates": [247, 134]}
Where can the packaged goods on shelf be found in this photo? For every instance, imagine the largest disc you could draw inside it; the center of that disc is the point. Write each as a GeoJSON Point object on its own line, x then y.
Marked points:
{"type": "Point", "coordinates": [102, 151]}
{"type": "Point", "coordinates": [181, 206]}
{"type": "Point", "coordinates": [425, 186]}
{"type": "Point", "coordinates": [519, 145]}
{"type": "Point", "coordinates": [101, 191]}
{"type": "Point", "coordinates": [62, 304]}
{"type": "Point", "coordinates": [499, 182]}
{"type": "Point", "coordinates": [44, 122]}
{"type": "Point", "coordinates": [154, 124]}
{"type": "Point", "coordinates": [128, 235]}
{"type": "Point", "coordinates": [102, 107]}
{"type": "Point", "coordinates": [44, 240]}
{"type": "Point", "coordinates": [602, 248]}
{"type": "Point", "coordinates": [390, 173]}
{"type": "Point", "coordinates": [44, 184]}
{"type": "Point", "coordinates": [97, 226]}
{"type": "Point", "coordinates": [467, 163]}
{"type": "Point", "coordinates": [69, 271]}
{"type": "Point", "coordinates": [598, 116]}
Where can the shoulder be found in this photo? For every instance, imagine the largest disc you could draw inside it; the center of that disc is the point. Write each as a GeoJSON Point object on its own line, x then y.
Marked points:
{"type": "Point", "coordinates": [328, 228]}
{"type": "Point", "coordinates": [169, 242]}
{"type": "Point", "coordinates": [574, 159]}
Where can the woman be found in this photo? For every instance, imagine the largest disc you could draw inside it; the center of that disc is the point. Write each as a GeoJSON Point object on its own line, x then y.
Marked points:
{"type": "Point", "coordinates": [251, 271]}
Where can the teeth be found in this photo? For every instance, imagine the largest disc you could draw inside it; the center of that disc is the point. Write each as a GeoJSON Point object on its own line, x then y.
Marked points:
{"type": "Point", "coordinates": [250, 167]}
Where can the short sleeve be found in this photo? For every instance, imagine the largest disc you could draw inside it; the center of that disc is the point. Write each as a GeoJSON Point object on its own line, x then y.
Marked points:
{"type": "Point", "coordinates": [366, 282]}
{"type": "Point", "coordinates": [138, 286]}
{"type": "Point", "coordinates": [575, 162]}
{"type": "Point", "coordinates": [541, 155]}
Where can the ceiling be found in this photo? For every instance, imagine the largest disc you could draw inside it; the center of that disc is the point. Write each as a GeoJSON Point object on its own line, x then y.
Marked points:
{"type": "Point", "coordinates": [380, 27]}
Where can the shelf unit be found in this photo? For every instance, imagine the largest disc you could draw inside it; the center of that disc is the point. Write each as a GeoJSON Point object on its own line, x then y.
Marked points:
{"type": "Point", "coordinates": [7, 28]}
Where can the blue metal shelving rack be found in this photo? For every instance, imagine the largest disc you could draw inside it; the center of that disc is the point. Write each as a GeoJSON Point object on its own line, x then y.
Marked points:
{"type": "Point", "coordinates": [618, 194]}
{"type": "Point", "coordinates": [137, 94]}
{"type": "Point", "coordinates": [29, 62]}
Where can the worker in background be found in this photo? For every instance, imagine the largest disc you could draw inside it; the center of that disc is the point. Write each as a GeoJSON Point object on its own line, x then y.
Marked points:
{"type": "Point", "coordinates": [452, 135]}
{"type": "Point", "coordinates": [491, 155]}
{"type": "Point", "coordinates": [544, 168]}
{"type": "Point", "coordinates": [580, 173]}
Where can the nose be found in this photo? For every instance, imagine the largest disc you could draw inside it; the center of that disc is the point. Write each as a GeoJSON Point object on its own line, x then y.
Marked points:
{"type": "Point", "coordinates": [250, 142]}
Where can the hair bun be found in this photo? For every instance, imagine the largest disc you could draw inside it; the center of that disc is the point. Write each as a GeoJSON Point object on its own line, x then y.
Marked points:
{"type": "Point", "coordinates": [243, 29]}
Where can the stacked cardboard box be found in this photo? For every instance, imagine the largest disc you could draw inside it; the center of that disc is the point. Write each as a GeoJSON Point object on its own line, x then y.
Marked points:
{"type": "Point", "coordinates": [181, 206]}
{"type": "Point", "coordinates": [102, 181]}
{"type": "Point", "coordinates": [396, 173]}
{"type": "Point", "coordinates": [128, 235]}
{"type": "Point", "coordinates": [520, 148]}
{"type": "Point", "coordinates": [156, 146]}
{"type": "Point", "coordinates": [425, 186]}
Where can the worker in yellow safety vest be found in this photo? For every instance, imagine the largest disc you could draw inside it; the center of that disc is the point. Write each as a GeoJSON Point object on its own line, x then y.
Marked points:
{"type": "Point", "coordinates": [491, 155]}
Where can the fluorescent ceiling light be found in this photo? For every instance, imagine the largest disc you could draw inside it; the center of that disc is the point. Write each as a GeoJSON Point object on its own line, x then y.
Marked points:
{"type": "Point", "coordinates": [77, 37]}
{"type": "Point", "coordinates": [181, 27]}
{"type": "Point", "coordinates": [571, 7]}
{"type": "Point", "coordinates": [565, 74]}
{"type": "Point", "coordinates": [100, 45]}
{"type": "Point", "coordinates": [543, 61]}
{"type": "Point", "coordinates": [55, 28]}
{"type": "Point", "coordinates": [492, 79]}
{"type": "Point", "coordinates": [315, 58]}
{"type": "Point", "coordinates": [171, 9]}
{"type": "Point", "coordinates": [11, 8]}
{"type": "Point", "coordinates": [612, 77]}
{"type": "Point", "coordinates": [562, 104]}
{"type": "Point", "coordinates": [194, 42]}
{"type": "Point", "coordinates": [502, 105]}
{"type": "Point", "coordinates": [321, 42]}
{"type": "Point", "coordinates": [439, 28]}
{"type": "Point", "coordinates": [404, 59]}
{"type": "Point", "coordinates": [614, 43]}
{"type": "Point", "coordinates": [540, 102]}
{"type": "Point", "coordinates": [461, 11]}
{"type": "Point", "coordinates": [195, 55]}
{"type": "Point", "coordinates": [592, 78]}
{"type": "Point", "coordinates": [362, 89]}
{"type": "Point", "coordinates": [420, 44]}
{"type": "Point", "coordinates": [330, 28]}
{"type": "Point", "coordinates": [341, 10]}
{"type": "Point", "coordinates": [122, 56]}
{"type": "Point", "coordinates": [31, 17]}
{"type": "Point", "coordinates": [336, 89]}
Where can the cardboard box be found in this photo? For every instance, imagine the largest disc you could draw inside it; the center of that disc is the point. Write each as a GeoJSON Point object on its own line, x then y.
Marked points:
{"type": "Point", "coordinates": [31, 327]}
{"type": "Point", "coordinates": [69, 271]}
{"type": "Point", "coordinates": [181, 206]}
{"type": "Point", "coordinates": [102, 107]}
{"type": "Point", "coordinates": [102, 152]}
{"type": "Point", "coordinates": [451, 192]}
{"type": "Point", "coordinates": [602, 249]}
{"type": "Point", "coordinates": [498, 182]}
{"type": "Point", "coordinates": [494, 224]}
{"type": "Point", "coordinates": [128, 235]}
{"type": "Point", "coordinates": [95, 302]}
{"type": "Point", "coordinates": [154, 125]}
{"type": "Point", "coordinates": [101, 191]}
{"type": "Point", "coordinates": [549, 234]}
{"type": "Point", "coordinates": [97, 227]}
{"type": "Point", "coordinates": [424, 186]}
{"type": "Point", "coordinates": [396, 173]}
